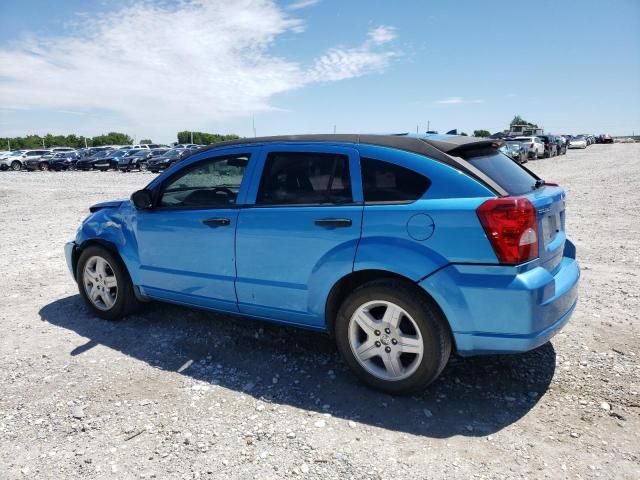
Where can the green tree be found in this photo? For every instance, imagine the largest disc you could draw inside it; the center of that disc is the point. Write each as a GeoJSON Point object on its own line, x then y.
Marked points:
{"type": "Point", "coordinates": [518, 120]}
{"type": "Point", "coordinates": [202, 138]}
{"type": "Point", "coordinates": [145, 141]}
{"type": "Point", "coordinates": [481, 133]}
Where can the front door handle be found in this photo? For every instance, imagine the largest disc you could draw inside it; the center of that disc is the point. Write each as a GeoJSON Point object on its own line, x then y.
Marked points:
{"type": "Point", "coordinates": [333, 222]}
{"type": "Point", "coordinates": [217, 222]}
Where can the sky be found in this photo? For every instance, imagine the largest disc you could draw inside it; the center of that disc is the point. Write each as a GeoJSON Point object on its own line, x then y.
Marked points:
{"type": "Point", "coordinates": [153, 68]}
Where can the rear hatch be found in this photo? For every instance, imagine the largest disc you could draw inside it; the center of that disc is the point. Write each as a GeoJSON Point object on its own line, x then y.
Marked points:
{"type": "Point", "coordinates": [547, 199]}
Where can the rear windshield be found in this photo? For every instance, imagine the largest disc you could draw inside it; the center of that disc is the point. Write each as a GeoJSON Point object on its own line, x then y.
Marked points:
{"type": "Point", "coordinates": [501, 169]}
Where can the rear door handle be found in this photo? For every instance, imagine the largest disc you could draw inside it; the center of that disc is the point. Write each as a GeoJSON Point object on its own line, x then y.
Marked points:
{"type": "Point", "coordinates": [333, 222]}
{"type": "Point", "coordinates": [217, 222]}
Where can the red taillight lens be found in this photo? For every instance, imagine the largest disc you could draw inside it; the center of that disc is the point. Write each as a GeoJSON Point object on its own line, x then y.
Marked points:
{"type": "Point", "coordinates": [511, 227]}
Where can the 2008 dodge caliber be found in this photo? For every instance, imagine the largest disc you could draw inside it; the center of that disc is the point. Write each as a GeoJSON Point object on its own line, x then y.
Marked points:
{"type": "Point", "coordinates": [404, 248]}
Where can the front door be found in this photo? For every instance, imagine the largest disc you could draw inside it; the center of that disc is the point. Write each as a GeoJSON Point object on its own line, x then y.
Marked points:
{"type": "Point", "coordinates": [299, 232]}
{"type": "Point", "coordinates": [186, 242]}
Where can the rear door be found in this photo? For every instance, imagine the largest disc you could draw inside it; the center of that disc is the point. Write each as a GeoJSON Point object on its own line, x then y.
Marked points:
{"type": "Point", "coordinates": [299, 232]}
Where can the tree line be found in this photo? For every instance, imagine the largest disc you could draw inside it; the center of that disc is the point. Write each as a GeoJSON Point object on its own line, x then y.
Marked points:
{"type": "Point", "coordinates": [111, 138]}
{"type": "Point", "coordinates": [202, 138]}
{"type": "Point", "coordinates": [74, 141]}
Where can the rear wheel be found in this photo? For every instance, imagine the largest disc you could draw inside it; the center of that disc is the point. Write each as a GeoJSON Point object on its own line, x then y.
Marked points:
{"type": "Point", "coordinates": [393, 337]}
{"type": "Point", "coordinates": [104, 284]}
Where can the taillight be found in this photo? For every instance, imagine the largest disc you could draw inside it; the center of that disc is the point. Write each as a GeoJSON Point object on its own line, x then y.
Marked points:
{"type": "Point", "coordinates": [511, 227]}
{"type": "Point", "coordinates": [532, 145]}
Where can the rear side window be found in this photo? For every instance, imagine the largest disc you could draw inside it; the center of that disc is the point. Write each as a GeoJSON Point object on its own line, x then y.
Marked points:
{"type": "Point", "coordinates": [305, 178]}
{"type": "Point", "coordinates": [384, 182]}
{"type": "Point", "coordinates": [501, 169]}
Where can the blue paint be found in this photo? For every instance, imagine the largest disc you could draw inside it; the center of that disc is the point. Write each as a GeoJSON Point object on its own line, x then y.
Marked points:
{"type": "Point", "coordinates": [276, 263]}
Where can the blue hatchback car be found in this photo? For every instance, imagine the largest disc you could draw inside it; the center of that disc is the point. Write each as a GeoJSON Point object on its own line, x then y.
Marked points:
{"type": "Point", "coordinates": [404, 248]}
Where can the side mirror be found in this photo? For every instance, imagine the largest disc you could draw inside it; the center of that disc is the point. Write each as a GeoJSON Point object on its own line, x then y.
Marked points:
{"type": "Point", "coordinates": [142, 199]}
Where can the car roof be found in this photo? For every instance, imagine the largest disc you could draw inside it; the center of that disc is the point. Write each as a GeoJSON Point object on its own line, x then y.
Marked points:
{"type": "Point", "coordinates": [440, 147]}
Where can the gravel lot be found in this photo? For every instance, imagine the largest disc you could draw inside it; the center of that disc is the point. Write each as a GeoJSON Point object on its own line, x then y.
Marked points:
{"type": "Point", "coordinates": [179, 393]}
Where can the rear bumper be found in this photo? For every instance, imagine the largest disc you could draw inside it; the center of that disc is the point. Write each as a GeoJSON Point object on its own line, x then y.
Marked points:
{"type": "Point", "coordinates": [499, 309]}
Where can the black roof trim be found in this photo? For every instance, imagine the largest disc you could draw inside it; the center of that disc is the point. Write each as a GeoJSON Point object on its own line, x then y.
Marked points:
{"type": "Point", "coordinates": [443, 150]}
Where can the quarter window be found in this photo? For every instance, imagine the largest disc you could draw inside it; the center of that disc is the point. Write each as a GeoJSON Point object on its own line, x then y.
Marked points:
{"type": "Point", "coordinates": [303, 178]}
{"type": "Point", "coordinates": [214, 182]}
{"type": "Point", "coordinates": [384, 182]}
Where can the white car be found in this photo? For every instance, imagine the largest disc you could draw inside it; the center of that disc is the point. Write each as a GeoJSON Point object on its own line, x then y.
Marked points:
{"type": "Point", "coordinates": [578, 142]}
{"type": "Point", "coordinates": [534, 145]}
{"type": "Point", "coordinates": [12, 161]}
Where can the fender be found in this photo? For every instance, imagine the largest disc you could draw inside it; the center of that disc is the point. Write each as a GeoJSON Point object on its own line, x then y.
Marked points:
{"type": "Point", "coordinates": [109, 223]}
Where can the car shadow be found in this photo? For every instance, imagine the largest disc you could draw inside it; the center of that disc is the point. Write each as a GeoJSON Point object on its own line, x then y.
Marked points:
{"type": "Point", "coordinates": [473, 396]}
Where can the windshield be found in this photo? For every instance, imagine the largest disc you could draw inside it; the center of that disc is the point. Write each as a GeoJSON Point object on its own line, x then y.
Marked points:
{"type": "Point", "coordinates": [502, 170]}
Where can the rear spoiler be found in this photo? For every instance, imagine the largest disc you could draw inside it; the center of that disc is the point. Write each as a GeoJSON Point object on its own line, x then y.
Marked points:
{"type": "Point", "coordinates": [455, 146]}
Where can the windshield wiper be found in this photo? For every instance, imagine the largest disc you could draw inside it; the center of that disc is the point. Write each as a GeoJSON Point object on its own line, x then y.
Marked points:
{"type": "Point", "coordinates": [539, 183]}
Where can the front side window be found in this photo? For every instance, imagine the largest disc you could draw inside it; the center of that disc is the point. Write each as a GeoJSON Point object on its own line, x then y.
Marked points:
{"type": "Point", "coordinates": [305, 178]}
{"type": "Point", "coordinates": [214, 182]}
{"type": "Point", "coordinates": [384, 182]}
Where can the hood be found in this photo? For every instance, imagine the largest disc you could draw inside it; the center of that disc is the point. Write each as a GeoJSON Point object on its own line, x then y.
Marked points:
{"type": "Point", "coordinates": [103, 205]}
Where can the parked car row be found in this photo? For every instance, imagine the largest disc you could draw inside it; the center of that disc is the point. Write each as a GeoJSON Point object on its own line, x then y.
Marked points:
{"type": "Point", "coordinates": [116, 157]}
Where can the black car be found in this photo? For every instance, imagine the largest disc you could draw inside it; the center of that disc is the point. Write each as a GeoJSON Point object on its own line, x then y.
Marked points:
{"type": "Point", "coordinates": [168, 159]}
{"type": "Point", "coordinates": [550, 145]}
{"type": "Point", "coordinates": [90, 163]}
{"type": "Point", "coordinates": [63, 161]}
{"type": "Point", "coordinates": [135, 159]}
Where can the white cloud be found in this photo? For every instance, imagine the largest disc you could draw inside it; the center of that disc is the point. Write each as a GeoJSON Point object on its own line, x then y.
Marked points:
{"type": "Point", "coordinates": [382, 34]}
{"type": "Point", "coordinates": [302, 4]}
{"type": "Point", "coordinates": [456, 101]}
{"type": "Point", "coordinates": [163, 67]}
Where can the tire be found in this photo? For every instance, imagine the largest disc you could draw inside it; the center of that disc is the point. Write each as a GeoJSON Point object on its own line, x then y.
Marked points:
{"type": "Point", "coordinates": [16, 166]}
{"type": "Point", "coordinates": [122, 297]}
{"type": "Point", "coordinates": [143, 167]}
{"type": "Point", "coordinates": [422, 325]}
{"type": "Point", "coordinates": [44, 166]}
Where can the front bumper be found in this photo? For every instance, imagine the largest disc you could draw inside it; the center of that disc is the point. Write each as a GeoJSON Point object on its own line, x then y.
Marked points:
{"type": "Point", "coordinates": [501, 309]}
{"type": "Point", "coordinates": [69, 250]}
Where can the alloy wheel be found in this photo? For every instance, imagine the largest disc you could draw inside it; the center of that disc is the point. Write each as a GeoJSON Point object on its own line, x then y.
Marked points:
{"type": "Point", "coordinates": [385, 340]}
{"type": "Point", "coordinates": [100, 283]}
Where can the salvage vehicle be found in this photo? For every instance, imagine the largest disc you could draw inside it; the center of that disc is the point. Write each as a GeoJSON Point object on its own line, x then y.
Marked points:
{"type": "Point", "coordinates": [64, 160]}
{"type": "Point", "coordinates": [578, 141]}
{"type": "Point", "coordinates": [96, 161]}
{"type": "Point", "coordinates": [32, 160]}
{"type": "Point", "coordinates": [403, 248]}
{"type": "Point", "coordinates": [535, 146]}
{"type": "Point", "coordinates": [134, 159]}
{"type": "Point", "coordinates": [12, 160]}
{"type": "Point", "coordinates": [168, 159]}
{"type": "Point", "coordinates": [516, 150]}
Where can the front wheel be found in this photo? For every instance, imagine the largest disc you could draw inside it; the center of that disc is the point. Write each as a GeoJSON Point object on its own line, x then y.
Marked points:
{"type": "Point", "coordinates": [143, 167]}
{"type": "Point", "coordinates": [16, 166]}
{"type": "Point", "coordinates": [104, 284]}
{"type": "Point", "coordinates": [392, 336]}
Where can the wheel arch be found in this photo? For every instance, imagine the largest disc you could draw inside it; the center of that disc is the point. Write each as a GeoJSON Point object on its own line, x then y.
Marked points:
{"type": "Point", "coordinates": [343, 287]}
{"type": "Point", "coordinates": [112, 248]}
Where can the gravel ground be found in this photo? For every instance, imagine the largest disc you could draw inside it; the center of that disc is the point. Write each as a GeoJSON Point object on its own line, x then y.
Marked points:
{"type": "Point", "coordinates": [179, 393]}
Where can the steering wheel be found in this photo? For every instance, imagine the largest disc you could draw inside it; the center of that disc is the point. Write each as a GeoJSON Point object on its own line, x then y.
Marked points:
{"type": "Point", "coordinates": [227, 191]}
